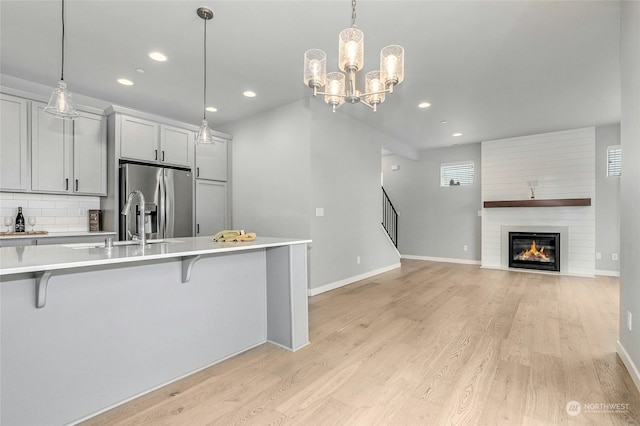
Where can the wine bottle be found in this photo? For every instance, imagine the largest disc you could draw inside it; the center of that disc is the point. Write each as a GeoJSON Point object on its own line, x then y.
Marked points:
{"type": "Point", "coordinates": [19, 221]}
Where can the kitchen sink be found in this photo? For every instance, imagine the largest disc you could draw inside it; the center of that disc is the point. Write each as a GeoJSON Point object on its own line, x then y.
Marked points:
{"type": "Point", "coordinates": [120, 243]}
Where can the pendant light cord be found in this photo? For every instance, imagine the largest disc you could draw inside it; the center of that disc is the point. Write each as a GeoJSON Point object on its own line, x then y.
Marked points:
{"type": "Point", "coordinates": [62, 69]}
{"type": "Point", "coordinates": [204, 94]}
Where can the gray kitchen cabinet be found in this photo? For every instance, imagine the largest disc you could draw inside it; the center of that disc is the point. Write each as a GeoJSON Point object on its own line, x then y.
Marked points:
{"type": "Point", "coordinates": [211, 207]}
{"type": "Point", "coordinates": [68, 156]}
{"type": "Point", "coordinates": [13, 143]}
{"type": "Point", "coordinates": [212, 160]}
{"type": "Point", "coordinates": [176, 145]}
{"type": "Point", "coordinates": [154, 142]}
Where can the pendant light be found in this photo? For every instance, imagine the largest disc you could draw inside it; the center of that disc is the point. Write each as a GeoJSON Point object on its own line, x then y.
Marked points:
{"type": "Point", "coordinates": [205, 133]}
{"type": "Point", "coordinates": [61, 102]}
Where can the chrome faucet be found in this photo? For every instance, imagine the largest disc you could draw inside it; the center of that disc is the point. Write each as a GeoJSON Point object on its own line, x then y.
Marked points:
{"type": "Point", "coordinates": [142, 236]}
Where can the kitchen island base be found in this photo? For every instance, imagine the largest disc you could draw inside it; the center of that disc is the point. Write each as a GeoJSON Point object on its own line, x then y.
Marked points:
{"type": "Point", "coordinates": [114, 332]}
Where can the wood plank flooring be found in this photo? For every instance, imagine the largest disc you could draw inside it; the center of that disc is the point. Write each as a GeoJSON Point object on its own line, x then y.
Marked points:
{"type": "Point", "coordinates": [426, 344]}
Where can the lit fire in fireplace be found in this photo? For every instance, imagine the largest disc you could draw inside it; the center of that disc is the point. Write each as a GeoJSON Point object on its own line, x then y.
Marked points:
{"type": "Point", "coordinates": [533, 254]}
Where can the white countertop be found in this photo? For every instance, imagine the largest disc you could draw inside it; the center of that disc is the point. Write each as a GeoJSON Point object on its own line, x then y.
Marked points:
{"type": "Point", "coordinates": [16, 260]}
{"type": "Point", "coordinates": [59, 234]}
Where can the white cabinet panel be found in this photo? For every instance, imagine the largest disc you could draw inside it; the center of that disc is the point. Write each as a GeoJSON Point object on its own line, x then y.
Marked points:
{"type": "Point", "coordinates": [50, 167]}
{"type": "Point", "coordinates": [211, 160]}
{"type": "Point", "coordinates": [176, 145]}
{"type": "Point", "coordinates": [138, 139]}
{"type": "Point", "coordinates": [90, 154]}
{"type": "Point", "coordinates": [211, 207]}
{"type": "Point", "coordinates": [13, 143]}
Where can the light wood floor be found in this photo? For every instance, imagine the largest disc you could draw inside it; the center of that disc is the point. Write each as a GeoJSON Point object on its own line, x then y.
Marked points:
{"type": "Point", "coordinates": [427, 344]}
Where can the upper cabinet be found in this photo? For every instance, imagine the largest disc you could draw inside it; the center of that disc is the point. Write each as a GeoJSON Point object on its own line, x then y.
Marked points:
{"type": "Point", "coordinates": [13, 143]}
{"type": "Point", "coordinates": [211, 160]}
{"type": "Point", "coordinates": [153, 142]}
{"type": "Point", "coordinates": [68, 156]}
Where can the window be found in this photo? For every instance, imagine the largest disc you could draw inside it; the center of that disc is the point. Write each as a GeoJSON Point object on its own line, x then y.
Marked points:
{"type": "Point", "coordinates": [454, 174]}
{"type": "Point", "coordinates": [614, 160]}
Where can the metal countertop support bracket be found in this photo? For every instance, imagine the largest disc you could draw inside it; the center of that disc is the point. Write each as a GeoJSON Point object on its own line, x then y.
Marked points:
{"type": "Point", "coordinates": [187, 267]}
{"type": "Point", "coordinates": [42, 281]}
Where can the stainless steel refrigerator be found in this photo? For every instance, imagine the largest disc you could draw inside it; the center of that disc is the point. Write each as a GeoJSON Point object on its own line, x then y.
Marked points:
{"type": "Point", "coordinates": [168, 197]}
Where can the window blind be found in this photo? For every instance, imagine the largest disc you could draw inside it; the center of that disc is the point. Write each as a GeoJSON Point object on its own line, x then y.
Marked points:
{"type": "Point", "coordinates": [453, 174]}
{"type": "Point", "coordinates": [614, 160]}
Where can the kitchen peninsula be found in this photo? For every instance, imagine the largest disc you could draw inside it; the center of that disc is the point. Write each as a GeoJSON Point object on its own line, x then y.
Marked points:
{"type": "Point", "coordinates": [85, 328]}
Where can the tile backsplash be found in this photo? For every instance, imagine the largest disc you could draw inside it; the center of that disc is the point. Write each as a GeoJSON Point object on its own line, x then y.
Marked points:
{"type": "Point", "coordinates": [54, 213]}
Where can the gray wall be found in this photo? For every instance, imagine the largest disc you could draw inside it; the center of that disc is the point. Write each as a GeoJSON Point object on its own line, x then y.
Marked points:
{"type": "Point", "coordinates": [630, 181]}
{"type": "Point", "coordinates": [345, 170]}
{"type": "Point", "coordinates": [296, 158]}
{"type": "Point", "coordinates": [435, 221]}
{"type": "Point", "coordinates": [607, 201]}
{"type": "Point", "coordinates": [270, 172]}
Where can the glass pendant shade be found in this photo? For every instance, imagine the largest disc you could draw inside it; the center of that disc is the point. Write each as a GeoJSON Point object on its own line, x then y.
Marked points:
{"type": "Point", "coordinates": [61, 103]}
{"type": "Point", "coordinates": [335, 89]}
{"type": "Point", "coordinates": [204, 133]}
{"type": "Point", "coordinates": [351, 49]}
{"type": "Point", "coordinates": [373, 84]}
{"type": "Point", "coordinates": [392, 65]}
{"type": "Point", "coordinates": [315, 68]}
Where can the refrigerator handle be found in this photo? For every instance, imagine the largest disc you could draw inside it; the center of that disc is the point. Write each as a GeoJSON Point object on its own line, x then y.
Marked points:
{"type": "Point", "coordinates": [163, 205]}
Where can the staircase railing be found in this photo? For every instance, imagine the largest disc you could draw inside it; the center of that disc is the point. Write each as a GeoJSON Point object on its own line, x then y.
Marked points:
{"type": "Point", "coordinates": [389, 218]}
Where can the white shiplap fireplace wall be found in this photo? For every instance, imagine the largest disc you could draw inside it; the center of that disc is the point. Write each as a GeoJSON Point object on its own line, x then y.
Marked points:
{"type": "Point", "coordinates": [563, 166]}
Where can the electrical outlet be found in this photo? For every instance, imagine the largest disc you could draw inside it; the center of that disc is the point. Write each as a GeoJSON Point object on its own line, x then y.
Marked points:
{"type": "Point", "coordinates": [82, 211]}
{"type": "Point", "coordinates": [319, 211]}
{"type": "Point", "coordinates": [629, 322]}
{"type": "Point", "coordinates": [465, 248]}
{"type": "Point", "coordinates": [598, 256]}
{"type": "Point", "coordinates": [358, 260]}
{"type": "Point", "coordinates": [614, 256]}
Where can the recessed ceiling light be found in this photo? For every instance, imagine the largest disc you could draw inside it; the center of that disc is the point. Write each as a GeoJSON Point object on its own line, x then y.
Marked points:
{"type": "Point", "coordinates": [443, 122]}
{"type": "Point", "coordinates": [457, 134]}
{"type": "Point", "coordinates": [212, 109]}
{"type": "Point", "coordinates": [249, 94]}
{"type": "Point", "coordinates": [139, 70]}
{"type": "Point", "coordinates": [158, 56]}
{"type": "Point", "coordinates": [125, 82]}
{"type": "Point", "coordinates": [424, 105]}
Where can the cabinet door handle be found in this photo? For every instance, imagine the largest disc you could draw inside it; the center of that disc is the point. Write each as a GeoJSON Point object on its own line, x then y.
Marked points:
{"type": "Point", "coordinates": [162, 155]}
{"type": "Point", "coordinates": [76, 185]}
{"type": "Point", "coordinates": [66, 184]}
{"type": "Point", "coordinates": [156, 154]}
{"type": "Point", "coordinates": [198, 228]}
{"type": "Point", "coordinates": [197, 171]}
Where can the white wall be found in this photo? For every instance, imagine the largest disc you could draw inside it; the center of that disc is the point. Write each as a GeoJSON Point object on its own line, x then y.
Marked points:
{"type": "Point", "coordinates": [608, 205]}
{"type": "Point", "coordinates": [563, 164]}
{"type": "Point", "coordinates": [290, 160]}
{"type": "Point", "coordinates": [629, 348]}
{"type": "Point", "coordinates": [435, 222]}
{"type": "Point", "coordinates": [54, 213]}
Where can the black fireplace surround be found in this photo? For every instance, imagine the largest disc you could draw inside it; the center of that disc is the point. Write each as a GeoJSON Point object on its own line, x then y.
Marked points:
{"type": "Point", "coordinates": [534, 250]}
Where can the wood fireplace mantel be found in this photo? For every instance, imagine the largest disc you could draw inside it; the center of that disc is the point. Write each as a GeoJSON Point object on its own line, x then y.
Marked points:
{"type": "Point", "coordinates": [560, 202]}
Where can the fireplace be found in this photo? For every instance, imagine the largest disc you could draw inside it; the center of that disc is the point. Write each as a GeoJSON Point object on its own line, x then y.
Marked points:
{"type": "Point", "coordinates": [534, 250]}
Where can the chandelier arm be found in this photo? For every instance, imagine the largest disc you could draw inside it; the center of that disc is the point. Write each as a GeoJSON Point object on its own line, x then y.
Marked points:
{"type": "Point", "coordinates": [379, 92]}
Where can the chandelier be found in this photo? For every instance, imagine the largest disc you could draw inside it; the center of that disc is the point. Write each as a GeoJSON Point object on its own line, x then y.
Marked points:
{"type": "Point", "coordinates": [341, 88]}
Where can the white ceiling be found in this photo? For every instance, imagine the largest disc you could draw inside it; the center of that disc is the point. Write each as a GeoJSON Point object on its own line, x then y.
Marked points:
{"type": "Point", "coordinates": [490, 69]}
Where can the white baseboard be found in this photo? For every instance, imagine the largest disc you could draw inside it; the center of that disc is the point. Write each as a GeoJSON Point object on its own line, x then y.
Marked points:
{"type": "Point", "coordinates": [628, 362]}
{"type": "Point", "coordinates": [607, 273]}
{"type": "Point", "coordinates": [441, 259]}
{"type": "Point", "coordinates": [332, 286]}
